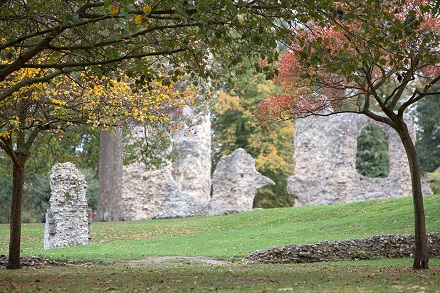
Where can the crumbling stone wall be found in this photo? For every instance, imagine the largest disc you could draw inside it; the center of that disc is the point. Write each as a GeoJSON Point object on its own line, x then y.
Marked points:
{"type": "Point", "coordinates": [191, 166]}
{"type": "Point", "coordinates": [68, 220]}
{"type": "Point", "coordinates": [375, 247]}
{"type": "Point", "coordinates": [325, 157]}
{"type": "Point", "coordinates": [183, 187]}
{"type": "Point", "coordinates": [235, 183]}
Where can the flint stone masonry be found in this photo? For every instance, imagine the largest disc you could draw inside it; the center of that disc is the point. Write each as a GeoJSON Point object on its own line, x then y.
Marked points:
{"type": "Point", "coordinates": [68, 220]}
{"type": "Point", "coordinates": [154, 194]}
{"type": "Point", "coordinates": [180, 189]}
{"type": "Point", "coordinates": [191, 166]}
{"type": "Point", "coordinates": [325, 157]}
{"type": "Point", "coordinates": [235, 182]}
{"type": "Point", "coordinates": [375, 247]}
{"type": "Point", "coordinates": [183, 187]}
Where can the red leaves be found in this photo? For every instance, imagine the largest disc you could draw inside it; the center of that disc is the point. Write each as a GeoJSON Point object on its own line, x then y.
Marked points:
{"type": "Point", "coordinates": [355, 51]}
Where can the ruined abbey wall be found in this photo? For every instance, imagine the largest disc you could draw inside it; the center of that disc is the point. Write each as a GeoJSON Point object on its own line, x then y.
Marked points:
{"type": "Point", "coordinates": [325, 156]}
{"type": "Point", "coordinates": [183, 187]}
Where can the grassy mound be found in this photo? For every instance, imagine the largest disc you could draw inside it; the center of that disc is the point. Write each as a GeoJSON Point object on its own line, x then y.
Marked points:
{"type": "Point", "coordinates": [235, 236]}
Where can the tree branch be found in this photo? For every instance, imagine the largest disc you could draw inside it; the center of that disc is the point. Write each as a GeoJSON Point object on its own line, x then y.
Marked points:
{"type": "Point", "coordinates": [28, 81]}
{"type": "Point", "coordinates": [103, 62]}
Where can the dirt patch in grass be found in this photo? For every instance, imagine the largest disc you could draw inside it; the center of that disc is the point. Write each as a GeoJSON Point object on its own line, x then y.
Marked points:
{"type": "Point", "coordinates": [161, 259]}
{"type": "Point", "coordinates": [34, 261]}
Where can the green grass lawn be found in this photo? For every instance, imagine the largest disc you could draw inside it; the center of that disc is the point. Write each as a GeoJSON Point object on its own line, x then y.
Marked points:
{"type": "Point", "coordinates": [231, 238]}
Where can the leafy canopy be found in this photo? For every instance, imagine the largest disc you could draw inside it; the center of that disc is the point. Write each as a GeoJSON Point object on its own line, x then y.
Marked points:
{"type": "Point", "coordinates": [346, 59]}
{"type": "Point", "coordinates": [56, 37]}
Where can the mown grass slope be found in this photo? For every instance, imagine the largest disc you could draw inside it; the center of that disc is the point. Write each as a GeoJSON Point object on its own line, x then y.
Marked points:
{"type": "Point", "coordinates": [234, 236]}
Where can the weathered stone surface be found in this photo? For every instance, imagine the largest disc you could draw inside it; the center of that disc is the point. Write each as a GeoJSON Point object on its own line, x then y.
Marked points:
{"type": "Point", "coordinates": [325, 156]}
{"type": "Point", "coordinates": [182, 188]}
{"type": "Point", "coordinates": [235, 182]}
{"type": "Point", "coordinates": [154, 194]}
{"type": "Point", "coordinates": [375, 247]}
{"type": "Point", "coordinates": [191, 166]}
{"type": "Point", "coordinates": [68, 220]}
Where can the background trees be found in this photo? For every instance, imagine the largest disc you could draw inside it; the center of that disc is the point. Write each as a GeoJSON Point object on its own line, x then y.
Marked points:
{"type": "Point", "coordinates": [427, 115]}
{"type": "Point", "coordinates": [364, 57]}
{"type": "Point", "coordinates": [234, 125]}
{"type": "Point", "coordinates": [372, 152]}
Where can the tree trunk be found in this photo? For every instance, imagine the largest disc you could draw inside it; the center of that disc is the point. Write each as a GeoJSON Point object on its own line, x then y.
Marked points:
{"type": "Point", "coordinates": [421, 244]}
{"type": "Point", "coordinates": [110, 175]}
{"type": "Point", "coordinates": [15, 225]}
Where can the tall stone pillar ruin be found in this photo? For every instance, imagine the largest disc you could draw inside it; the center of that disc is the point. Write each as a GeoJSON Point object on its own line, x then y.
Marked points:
{"type": "Point", "coordinates": [68, 220]}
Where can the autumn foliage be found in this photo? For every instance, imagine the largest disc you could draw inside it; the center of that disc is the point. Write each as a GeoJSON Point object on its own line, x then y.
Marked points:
{"type": "Point", "coordinates": [343, 61]}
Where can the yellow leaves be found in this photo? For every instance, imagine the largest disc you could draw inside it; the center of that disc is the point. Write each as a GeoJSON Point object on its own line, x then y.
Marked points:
{"type": "Point", "coordinates": [12, 126]}
{"type": "Point", "coordinates": [13, 120]}
{"type": "Point", "coordinates": [139, 19]}
{"type": "Point", "coordinates": [147, 10]}
{"type": "Point", "coordinates": [58, 102]}
{"type": "Point", "coordinates": [114, 10]}
{"type": "Point", "coordinates": [226, 102]}
{"type": "Point", "coordinates": [86, 99]}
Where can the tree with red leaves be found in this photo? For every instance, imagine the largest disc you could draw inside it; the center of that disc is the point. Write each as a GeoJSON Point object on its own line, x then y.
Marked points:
{"type": "Point", "coordinates": [375, 58]}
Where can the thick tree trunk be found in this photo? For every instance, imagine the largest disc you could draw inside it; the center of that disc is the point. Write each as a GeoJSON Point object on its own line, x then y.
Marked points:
{"type": "Point", "coordinates": [421, 244]}
{"type": "Point", "coordinates": [110, 175]}
{"type": "Point", "coordinates": [15, 225]}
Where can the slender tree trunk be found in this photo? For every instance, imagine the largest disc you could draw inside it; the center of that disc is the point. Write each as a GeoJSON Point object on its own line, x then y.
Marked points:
{"type": "Point", "coordinates": [15, 225]}
{"type": "Point", "coordinates": [110, 175]}
{"type": "Point", "coordinates": [421, 243]}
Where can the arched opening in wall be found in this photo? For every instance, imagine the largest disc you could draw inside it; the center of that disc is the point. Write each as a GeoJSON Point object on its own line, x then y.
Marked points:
{"type": "Point", "coordinates": [372, 153]}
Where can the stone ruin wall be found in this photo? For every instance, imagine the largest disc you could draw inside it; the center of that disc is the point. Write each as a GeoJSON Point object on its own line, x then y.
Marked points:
{"type": "Point", "coordinates": [183, 188]}
{"type": "Point", "coordinates": [235, 182]}
{"type": "Point", "coordinates": [68, 220]}
{"type": "Point", "coordinates": [325, 157]}
{"type": "Point", "coordinates": [180, 188]}
{"type": "Point", "coordinates": [375, 247]}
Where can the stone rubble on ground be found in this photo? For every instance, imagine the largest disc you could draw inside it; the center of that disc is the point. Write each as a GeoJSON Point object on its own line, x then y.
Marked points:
{"type": "Point", "coordinates": [369, 248]}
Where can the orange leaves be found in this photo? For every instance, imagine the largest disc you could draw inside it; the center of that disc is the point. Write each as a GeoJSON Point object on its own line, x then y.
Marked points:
{"type": "Point", "coordinates": [276, 108]}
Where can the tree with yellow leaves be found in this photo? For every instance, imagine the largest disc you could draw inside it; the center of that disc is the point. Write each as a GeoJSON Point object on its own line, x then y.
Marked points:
{"type": "Point", "coordinates": [62, 103]}
{"type": "Point", "coordinates": [47, 44]}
